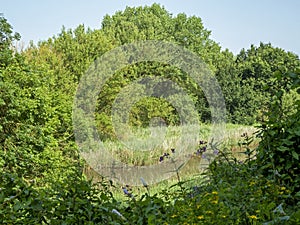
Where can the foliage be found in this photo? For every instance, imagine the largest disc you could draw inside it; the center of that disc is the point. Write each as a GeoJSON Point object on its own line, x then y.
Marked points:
{"type": "Point", "coordinates": [73, 200]}
{"type": "Point", "coordinates": [7, 37]}
{"type": "Point", "coordinates": [278, 151]}
{"type": "Point", "coordinates": [42, 179]}
{"type": "Point", "coordinates": [255, 68]}
{"type": "Point", "coordinates": [154, 22]}
{"type": "Point", "coordinates": [230, 192]}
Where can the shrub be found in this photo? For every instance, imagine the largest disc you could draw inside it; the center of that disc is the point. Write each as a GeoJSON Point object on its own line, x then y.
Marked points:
{"type": "Point", "coordinates": [279, 150]}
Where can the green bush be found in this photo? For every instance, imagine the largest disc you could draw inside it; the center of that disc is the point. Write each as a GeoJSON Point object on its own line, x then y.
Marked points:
{"type": "Point", "coordinates": [278, 152]}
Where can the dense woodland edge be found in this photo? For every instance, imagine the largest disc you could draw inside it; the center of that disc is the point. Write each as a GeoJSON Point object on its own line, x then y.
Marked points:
{"type": "Point", "coordinates": [42, 174]}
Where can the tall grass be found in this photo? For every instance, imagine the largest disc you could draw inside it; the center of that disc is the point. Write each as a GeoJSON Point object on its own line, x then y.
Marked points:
{"type": "Point", "coordinates": [142, 147]}
{"type": "Point", "coordinates": [146, 145]}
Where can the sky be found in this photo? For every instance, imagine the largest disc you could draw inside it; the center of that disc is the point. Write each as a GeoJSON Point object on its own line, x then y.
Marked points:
{"type": "Point", "coordinates": [235, 24]}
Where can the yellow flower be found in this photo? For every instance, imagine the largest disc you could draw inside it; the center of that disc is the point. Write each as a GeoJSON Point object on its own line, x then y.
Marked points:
{"type": "Point", "coordinates": [223, 216]}
{"type": "Point", "coordinates": [214, 192]}
{"type": "Point", "coordinates": [214, 202]}
{"type": "Point", "coordinates": [282, 188]}
{"type": "Point", "coordinates": [200, 217]}
{"type": "Point", "coordinates": [173, 216]}
{"type": "Point", "coordinates": [253, 217]}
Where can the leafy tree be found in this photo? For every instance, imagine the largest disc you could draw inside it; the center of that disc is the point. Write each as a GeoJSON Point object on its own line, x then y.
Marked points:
{"type": "Point", "coordinates": [255, 68]}
{"type": "Point", "coordinates": [41, 175]}
{"type": "Point", "coordinates": [155, 23]}
{"type": "Point", "coordinates": [79, 48]}
{"type": "Point", "coordinates": [138, 23]}
{"type": "Point", "coordinates": [229, 81]}
{"type": "Point", "coordinates": [6, 39]}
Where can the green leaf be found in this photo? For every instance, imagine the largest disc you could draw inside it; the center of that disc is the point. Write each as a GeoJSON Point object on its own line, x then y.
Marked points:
{"type": "Point", "coordinates": [295, 155]}
{"type": "Point", "coordinates": [282, 148]}
{"type": "Point", "coordinates": [297, 194]}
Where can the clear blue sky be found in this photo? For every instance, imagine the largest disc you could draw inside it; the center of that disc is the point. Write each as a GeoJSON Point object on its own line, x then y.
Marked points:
{"type": "Point", "coordinates": [235, 24]}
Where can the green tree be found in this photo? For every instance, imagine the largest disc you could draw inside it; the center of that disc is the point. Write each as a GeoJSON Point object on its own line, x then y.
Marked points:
{"type": "Point", "coordinates": [7, 37]}
{"type": "Point", "coordinates": [78, 48]}
{"type": "Point", "coordinates": [255, 68]}
{"type": "Point", "coordinates": [155, 23]}
{"type": "Point", "coordinates": [41, 174]}
{"type": "Point", "coordinates": [229, 81]}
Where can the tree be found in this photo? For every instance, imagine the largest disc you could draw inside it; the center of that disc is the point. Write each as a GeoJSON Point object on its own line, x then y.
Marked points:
{"type": "Point", "coordinates": [255, 68]}
{"type": "Point", "coordinates": [6, 39]}
{"type": "Point", "coordinates": [155, 23]}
